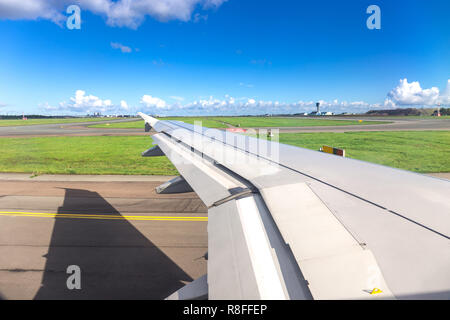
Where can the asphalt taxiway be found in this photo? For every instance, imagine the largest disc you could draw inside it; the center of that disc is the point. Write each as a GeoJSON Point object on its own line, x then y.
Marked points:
{"type": "Point", "coordinates": [68, 129]}
{"type": "Point", "coordinates": [129, 242]}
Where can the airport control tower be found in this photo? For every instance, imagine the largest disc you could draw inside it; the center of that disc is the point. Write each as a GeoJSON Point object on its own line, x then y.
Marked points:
{"type": "Point", "coordinates": [318, 107]}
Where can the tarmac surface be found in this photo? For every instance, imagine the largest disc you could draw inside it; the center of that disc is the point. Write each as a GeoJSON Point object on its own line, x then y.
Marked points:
{"type": "Point", "coordinates": [395, 125]}
{"type": "Point", "coordinates": [129, 242]}
{"type": "Point", "coordinates": [82, 129]}
{"type": "Point", "coordinates": [68, 129]}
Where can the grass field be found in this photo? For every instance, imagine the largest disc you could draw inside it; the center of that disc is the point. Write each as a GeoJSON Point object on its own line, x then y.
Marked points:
{"type": "Point", "coordinates": [30, 122]}
{"type": "Point", "coordinates": [247, 122]}
{"type": "Point", "coordinates": [419, 151]}
{"type": "Point", "coordinates": [81, 155]}
{"type": "Point", "coordinates": [426, 151]}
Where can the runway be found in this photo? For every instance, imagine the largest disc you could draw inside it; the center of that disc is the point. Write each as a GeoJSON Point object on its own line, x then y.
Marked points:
{"type": "Point", "coordinates": [82, 129]}
{"type": "Point", "coordinates": [129, 242]}
{"type": "Point", "coordinates": [68, 129]}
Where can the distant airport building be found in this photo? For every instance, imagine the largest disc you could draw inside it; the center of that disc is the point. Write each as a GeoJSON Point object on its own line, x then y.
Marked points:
{"type": "Point", "coordinates": [319, 113]}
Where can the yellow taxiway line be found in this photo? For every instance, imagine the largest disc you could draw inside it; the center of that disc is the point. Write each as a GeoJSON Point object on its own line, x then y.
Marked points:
{"type": "Point", "coordinates": [99, 216]}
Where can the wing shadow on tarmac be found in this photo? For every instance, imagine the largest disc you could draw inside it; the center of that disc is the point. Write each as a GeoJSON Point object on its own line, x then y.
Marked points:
{"type": "Point", "coordinates": [116, 260]}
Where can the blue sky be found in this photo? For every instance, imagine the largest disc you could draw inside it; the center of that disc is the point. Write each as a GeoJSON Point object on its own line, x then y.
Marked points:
{"type": "Point", "coordinates": [222, 57]}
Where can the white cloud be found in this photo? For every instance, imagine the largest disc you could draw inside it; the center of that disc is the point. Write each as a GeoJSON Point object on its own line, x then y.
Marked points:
{"type": "Point", "coordinates": [86, 103]}
{"type": "Point", "coordinates": [199, 17]}
{"type": "Point", "coordinates": [81, 100]}
{"type": "Point", "coordinates": [48, 107]}
{"type": "Point", "coordinates": [153, 102]}
{"type": "Point", "coordinates": [120, 46]}
{"type": "Point", "coordinates": [231, 106]}
{"type": "Point", "coordinates": [159, 62]}
{"type": "Point", "coordinates": [413, 94]}
{"type": "Point", "coordinates": [128, 13]}
{"type": "Point", "coordinates": [124, 105]}
{"type": "Point", "coordinates": [404, 94]}
{"type": "Point", "coordinates": [83, 103]}
{"type": "Point", "coordinates": [388, 103]}
{"type": "Point", "coordinates": [32, 10]}
{"type": "Point", "coordinates": [261, 62]}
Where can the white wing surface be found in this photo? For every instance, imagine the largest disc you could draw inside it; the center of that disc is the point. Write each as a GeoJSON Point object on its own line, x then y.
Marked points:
{"type": "Point", "coordinates": [290, 223]}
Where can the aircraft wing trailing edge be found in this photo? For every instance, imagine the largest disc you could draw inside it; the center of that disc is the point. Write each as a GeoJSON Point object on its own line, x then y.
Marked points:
{"type": "Point", "coordinates": [290, 223]}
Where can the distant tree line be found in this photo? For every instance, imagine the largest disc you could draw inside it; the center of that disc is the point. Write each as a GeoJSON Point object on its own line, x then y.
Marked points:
{"type": "Point", "coordinates": [445, 111]}
{"type": "Point", "coordinates": [33, 116]}
{"type": "Point", "coordinates": [396, 112]}
{"type": "Point", "coordinates": [409, 112]}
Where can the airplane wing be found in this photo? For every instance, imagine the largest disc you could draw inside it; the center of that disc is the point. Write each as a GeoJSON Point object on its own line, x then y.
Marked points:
{"type": "Point", "coordinates": [290, 223]}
